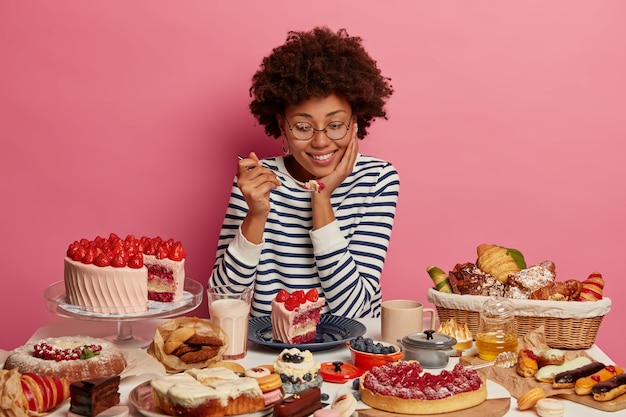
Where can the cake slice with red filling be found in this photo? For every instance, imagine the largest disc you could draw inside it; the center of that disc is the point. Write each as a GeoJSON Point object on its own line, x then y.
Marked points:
{"type": "Point", "coordinates": [295, 316]}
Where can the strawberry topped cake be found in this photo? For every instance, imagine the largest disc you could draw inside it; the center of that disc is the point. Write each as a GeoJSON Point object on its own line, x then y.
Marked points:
{"type": "Point", "coordinates": [295, 316]}
{"type": "Point", "coordinates": [118, 276]}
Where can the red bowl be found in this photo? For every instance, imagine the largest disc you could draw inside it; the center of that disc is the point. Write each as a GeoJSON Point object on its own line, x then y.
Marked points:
{"type": "Point", "coordinates": [366, 361]}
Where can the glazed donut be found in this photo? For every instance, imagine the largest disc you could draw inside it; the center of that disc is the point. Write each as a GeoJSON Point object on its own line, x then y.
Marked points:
{"type": "Point", "coordinates": [257, 372]}
{"type": "Point", "coordinates": [528, 400]}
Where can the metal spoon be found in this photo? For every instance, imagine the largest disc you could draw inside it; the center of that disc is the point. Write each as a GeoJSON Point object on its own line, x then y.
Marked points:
{"type": "Point", "coordinates": [503, 360]}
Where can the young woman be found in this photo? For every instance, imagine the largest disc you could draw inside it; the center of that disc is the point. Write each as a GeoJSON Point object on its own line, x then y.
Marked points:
{"type": "Point", "coordinates": [321, 215]}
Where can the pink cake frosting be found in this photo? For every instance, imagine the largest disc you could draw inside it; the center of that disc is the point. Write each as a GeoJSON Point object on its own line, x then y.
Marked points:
{"type": "Point", "coordinates": [106, 289]}
{"type": "Point", "coordinates": [119, 276]}
{"type": "Point", "coordinates": [298, 325]}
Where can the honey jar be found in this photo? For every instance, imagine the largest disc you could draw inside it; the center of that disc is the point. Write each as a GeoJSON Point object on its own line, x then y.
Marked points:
{"type": "Point", "coordinates": [497, 330]}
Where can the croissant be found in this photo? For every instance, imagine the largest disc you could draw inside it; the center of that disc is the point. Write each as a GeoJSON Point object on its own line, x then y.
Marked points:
{"type": "Point", "coordinates": [440, 279]}
{"type": "Point", "coordinates": [558, 291]}
{"type": "Point", "coordinates": [592, 288]}
{"type": "Point", "coordinates": [499, 262]}
{"type": "Point", "coordinates": [30, 394]}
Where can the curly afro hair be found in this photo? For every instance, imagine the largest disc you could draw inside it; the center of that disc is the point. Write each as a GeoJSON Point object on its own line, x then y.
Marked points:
{"type": "Point", "coordinates": [319, 63]}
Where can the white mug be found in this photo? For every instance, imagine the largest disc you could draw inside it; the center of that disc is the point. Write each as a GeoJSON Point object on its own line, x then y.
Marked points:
{"type": "Point", "coordinates": [400, 318]}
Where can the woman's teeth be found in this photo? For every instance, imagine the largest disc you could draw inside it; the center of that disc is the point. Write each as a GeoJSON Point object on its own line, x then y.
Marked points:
{"type": "Point", "coordinates": [322, 157]}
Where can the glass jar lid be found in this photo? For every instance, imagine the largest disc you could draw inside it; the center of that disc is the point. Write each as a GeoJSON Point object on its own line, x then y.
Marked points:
{"type": "Point", "coordinates": [429, 340]}
{"type": "Point", "coordinates": [497, 308]}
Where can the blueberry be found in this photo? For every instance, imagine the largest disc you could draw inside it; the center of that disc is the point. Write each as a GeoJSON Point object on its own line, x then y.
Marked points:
{"type": "Point", "coordinates": [307, 376]}
{"type": "Point", "coordinates": [355, 384]}
{"type": "Point", "coordinates": [325, 397]}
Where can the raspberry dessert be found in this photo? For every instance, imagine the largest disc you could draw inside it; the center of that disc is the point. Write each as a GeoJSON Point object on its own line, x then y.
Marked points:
{"type": "Point", "coordinates": [403, 388]}
{"type": "Point", "coordinates": [74, 358]}
{"type": "Point", "coordinates": [295, 316]}
{"type": "Point", "coordinates": [118, 276]}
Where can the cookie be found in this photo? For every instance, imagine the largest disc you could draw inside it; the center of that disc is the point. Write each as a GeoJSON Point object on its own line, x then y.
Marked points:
{"type": "Point", "coordinates": [201, 355]}
{"type": "Point", "coordinates": [206, 340]}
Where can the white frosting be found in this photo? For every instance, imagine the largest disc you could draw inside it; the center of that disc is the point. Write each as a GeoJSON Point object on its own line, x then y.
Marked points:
{"type": "Point", "coordinates": [106, 289]}
{"type": "Point", "coordinates": [292, 369]}
{"type": "Point", "coordinates": [196, 386]}
{"type": "Point", "coordinates": [283, 328]}
{"type": "Point", "coordinates": [205, 375]}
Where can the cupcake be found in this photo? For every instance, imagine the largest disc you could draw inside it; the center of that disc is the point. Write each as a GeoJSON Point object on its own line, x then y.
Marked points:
{"type": "Point", "coordinates": [297, 369]}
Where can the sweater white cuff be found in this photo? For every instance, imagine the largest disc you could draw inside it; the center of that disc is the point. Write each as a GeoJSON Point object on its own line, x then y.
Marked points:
{"type": "Point", "coordinates": [327, 238]}
{"type": "Point", "coordinates": [244, 250]}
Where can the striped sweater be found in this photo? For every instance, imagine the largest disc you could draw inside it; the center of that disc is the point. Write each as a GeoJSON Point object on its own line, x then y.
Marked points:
{"type": "Point", "coordinates": [342, 260]}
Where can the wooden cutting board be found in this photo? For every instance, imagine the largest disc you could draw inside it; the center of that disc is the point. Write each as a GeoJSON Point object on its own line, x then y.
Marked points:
{"type": "Point", "coordinates": [615, 404]}
{"type": "Point", "coordinates": [496, 407]}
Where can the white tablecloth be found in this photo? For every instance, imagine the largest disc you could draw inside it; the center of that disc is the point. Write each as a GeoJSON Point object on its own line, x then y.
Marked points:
{"type": "Point", "coordinates": [259, 355]}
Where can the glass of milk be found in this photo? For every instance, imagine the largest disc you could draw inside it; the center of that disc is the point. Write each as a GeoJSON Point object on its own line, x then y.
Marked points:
{"type": "Point", "coordinates": [229, 308]}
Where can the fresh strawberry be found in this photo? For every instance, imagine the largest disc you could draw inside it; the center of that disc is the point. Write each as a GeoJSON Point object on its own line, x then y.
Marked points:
{"type": "Point", "coordinates": [90, 255]}
{"type": "Point", "coordinates": [102, 260]}
{"type": "Point", "coordinates": [299, 295]}
{"type": "Point", "coordinates": [161, 252]}
{"type": "Point", "coordinates": [292, 303]}
{"type": "Point", "coordinates": [79, 254]}
{"type": "Point", "coordinates": [177, 253]}
{"type": "Point", "coordinates": [119, 259]}
{"type": "Point", "coordinates": [72, 249]}
{"type": "Point", "coordinates": [282, 296]}
{"type": "Point", "coordinates": [312, 295]}
{"type": "Point", "coordinates": [150, 248]}
{"type": "Point", "coordinates": [135, 261]}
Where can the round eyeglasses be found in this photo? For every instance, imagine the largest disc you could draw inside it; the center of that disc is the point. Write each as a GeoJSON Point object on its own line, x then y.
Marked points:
{"type": "Point", "coordinates": [305, 130]}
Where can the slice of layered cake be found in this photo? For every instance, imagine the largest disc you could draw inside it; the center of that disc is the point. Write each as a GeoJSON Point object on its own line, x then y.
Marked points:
{"type": "Point", "coordinates": [295, 316]}
{"type": "Point", "coordinates": [93, 396]}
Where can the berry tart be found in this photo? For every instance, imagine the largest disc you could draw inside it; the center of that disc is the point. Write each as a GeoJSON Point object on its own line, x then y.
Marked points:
{"type": "Point", "coordinates": [403, 388]}
{"type": "Point", "coordinates": [295, 316]}
{"type": "Point", "coordinates": [118, 276]}
{"type": "Point", "coordinates": [74, 358]}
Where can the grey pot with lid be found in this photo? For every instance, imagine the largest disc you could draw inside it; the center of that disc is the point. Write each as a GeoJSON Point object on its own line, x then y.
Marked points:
{"type": "Point", "coordinates": [432, 350]}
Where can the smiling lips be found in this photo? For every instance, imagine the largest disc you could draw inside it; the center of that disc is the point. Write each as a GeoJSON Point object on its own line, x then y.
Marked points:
{"type": "Point", "coordinates": [324, 157]}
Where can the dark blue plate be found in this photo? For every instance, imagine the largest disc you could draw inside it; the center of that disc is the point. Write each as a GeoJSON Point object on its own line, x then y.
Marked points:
{"type": "Point", "coordinates": [332, 331]}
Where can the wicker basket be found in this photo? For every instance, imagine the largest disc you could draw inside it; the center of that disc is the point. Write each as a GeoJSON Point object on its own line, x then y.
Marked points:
{"type": "Point", "coordinates": [568, 325]}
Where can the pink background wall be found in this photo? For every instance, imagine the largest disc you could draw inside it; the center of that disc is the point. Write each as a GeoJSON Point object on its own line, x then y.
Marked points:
{"type": "Point", "coordinates": [507, 127]}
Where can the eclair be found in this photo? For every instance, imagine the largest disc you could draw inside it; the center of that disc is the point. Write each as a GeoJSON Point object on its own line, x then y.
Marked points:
{"type": "Point", "coordinates": [568, 379]}
{"type": "Point", "coordinates": [584, 385]}
{"type": "Point", "coordinates": [547, 373]}
{"type": "Point", "coordinates": [610, 389]}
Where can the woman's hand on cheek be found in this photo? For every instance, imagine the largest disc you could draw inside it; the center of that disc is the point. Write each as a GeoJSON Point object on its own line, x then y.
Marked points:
{"type": "Point", "coordinates": [343, 168]}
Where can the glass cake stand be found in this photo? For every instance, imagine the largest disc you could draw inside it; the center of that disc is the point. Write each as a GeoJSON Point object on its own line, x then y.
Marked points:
{"type": "Point", "coordinates": [57, 303]}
